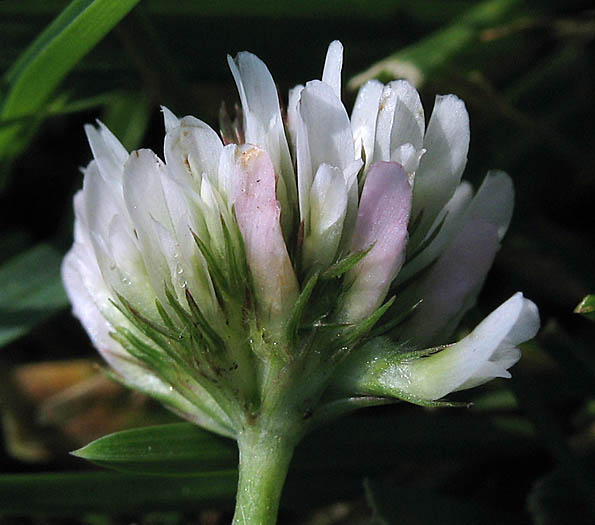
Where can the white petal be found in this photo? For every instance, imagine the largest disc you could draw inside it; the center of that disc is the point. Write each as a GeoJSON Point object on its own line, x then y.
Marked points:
{"type": "Point", "coordinates": [400, 119]}
{"type": "Point", "coordinates": [323, 137]}
{"type": "Point", "coordinates": [129, 277]}
{"type": "Point", "coordinates": [108, 152]}
{"type": "Point", "coordinates": [170, 121]}
{"type": "Point", "coordinates": [333, 64]}
{"type": "Point", "coordinates": [327, 125]}
{"type": "Point", "coordinates": [192, 151]}
{"type": "Point", "coordinates": [84, 301]}
{"type": "Point", "coordinates": [147, 205]}
{"type": "Point", "coordinates": [100, 201]}
{"type": "Point", "coordinates": [363, 119]}
{"type": "Point", "coordinates": [328, 205]}
{"type": "Point", "coordinates": [292, 113]}
{"type": "Point", "coordinates": [212, 217]}
{"type": "Point", "coordinates": [305, 170]}
{"type": "Point", "coordinates": [462, 364]}
{"type": "Point", "coordinates": [446, 143]}
{"type": "Point", "coordinates": [226, 176]}
{"type": "Point", "coordinates": [408, 157]}
{"type": "Point", "coordinates": [83, 305]}
{"type": "Point", "coordinates": [408, 122]}
{"type": "Point", "coordinates": [384, 124]}
{"type": "Point", "coordinates": [494, 201]}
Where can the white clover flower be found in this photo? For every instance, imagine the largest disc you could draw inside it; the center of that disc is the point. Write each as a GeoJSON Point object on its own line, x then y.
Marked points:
{"type": "Point", "coordinates": [259, 265]}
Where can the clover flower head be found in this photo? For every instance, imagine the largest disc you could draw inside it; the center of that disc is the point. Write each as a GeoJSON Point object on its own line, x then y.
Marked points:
{"type": "Point", "coordinates": [304, 247]}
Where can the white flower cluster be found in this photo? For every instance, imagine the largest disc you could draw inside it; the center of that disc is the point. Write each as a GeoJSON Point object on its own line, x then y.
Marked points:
{"type": "Point", "coordinates": [225, 234]}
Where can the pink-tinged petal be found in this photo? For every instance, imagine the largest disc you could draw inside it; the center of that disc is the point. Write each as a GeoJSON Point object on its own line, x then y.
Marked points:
{"type": "Point", "coordinates": [382, 221]}
{"type": "Point", "coordinates": [263, 123]}
{"type": "Point", "coordinates": [452, 284]}
{"type": "Point", "coordinates": [257, 211]}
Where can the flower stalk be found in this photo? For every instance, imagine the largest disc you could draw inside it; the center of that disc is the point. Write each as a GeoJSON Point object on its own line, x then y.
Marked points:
{"type": "Point", "coordinates": [266, 448]}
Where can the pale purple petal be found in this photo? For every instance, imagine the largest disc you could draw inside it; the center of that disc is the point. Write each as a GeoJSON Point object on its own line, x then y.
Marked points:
{"type": "Point", "coordinates": [447, 224]}
{"type": "Point", "coordinates": [469, 237]}
{"type": "Point", "coordinates": [257, 211]}
{"type": "Point", "coordinates": [452, 283]}
{"type": "Point", "coordinates": [382, 222]}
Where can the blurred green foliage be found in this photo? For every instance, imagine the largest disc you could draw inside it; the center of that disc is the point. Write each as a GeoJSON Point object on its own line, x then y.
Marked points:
{"type": "Point", "coordinates": [524, 453]}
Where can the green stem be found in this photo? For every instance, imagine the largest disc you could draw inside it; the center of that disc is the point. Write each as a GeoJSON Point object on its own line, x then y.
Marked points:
{"type": "Point", "coordinates": [264, 460]}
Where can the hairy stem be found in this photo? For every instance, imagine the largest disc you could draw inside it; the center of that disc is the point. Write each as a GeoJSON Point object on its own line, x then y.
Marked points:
{"type": "Point", "coordinates": [265, 455]}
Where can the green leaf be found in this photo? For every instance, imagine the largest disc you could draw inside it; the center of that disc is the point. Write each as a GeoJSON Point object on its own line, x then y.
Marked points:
{"type": "Point", "coordinates": [163, 449]}
{"type": "Point", "coordinates": [587, 307]}
{"type": "Point", "coordinates": [43, 65]}
{"type": "Point", "coordinates": [112, 492]}
{"type": "Point", "coordinates": [31, 291]}
{"type": "Point", "coordinates": [361, 444]}
{"type": "Point", "coordinates": [421, 60]}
